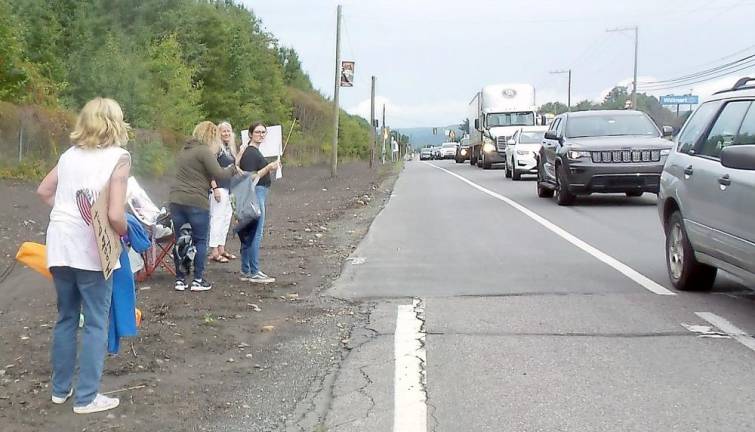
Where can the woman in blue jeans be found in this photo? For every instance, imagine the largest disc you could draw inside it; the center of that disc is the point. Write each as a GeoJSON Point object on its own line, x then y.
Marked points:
{"type": "Point", "coordinates": [253, 161]}
{"type": "Point", "coordinates": [94, 162]}
{"type": "Point", "coordinates": [196, 167]}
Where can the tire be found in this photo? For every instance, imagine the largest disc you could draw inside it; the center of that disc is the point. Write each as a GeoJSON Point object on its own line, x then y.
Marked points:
{"type": "Point", "coordinates": [563, 196]}
{"type": "Point", "coordinates": [542, 192]}
{"type": "Point", "coordinates": [515, 175]}
{"type": "Point", "coordinates": [685, 272]}
{"type": "Point", "coordinates": [508, 170]}
{"type": "Point", "coordinates": [484, 165]}
{"type": "Point", "coordinates": [634, 194]}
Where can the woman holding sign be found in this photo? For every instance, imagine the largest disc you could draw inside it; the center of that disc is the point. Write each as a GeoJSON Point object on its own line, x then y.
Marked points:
{"type": "Point", "coordinates": [253, 161]}
{"type": "Point", "coordinates": [95, 166]}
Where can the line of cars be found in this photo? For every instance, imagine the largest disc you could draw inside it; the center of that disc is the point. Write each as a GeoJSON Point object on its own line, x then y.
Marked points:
{"type": "Point", "coordinates": [447, 150]}
{"type": "Point", "coordinates": [704, 179]}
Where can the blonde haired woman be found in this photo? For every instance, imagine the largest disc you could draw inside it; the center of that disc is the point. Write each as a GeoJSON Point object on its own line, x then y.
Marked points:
{"type": "Point", "coordinates": [95, 161]}
{"type": "Point", "coordinates": [196, 167]}
{"type": "Point", "coordinates": [220, 201]}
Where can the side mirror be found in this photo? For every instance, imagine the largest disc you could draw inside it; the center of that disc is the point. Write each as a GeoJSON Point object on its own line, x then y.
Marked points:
{"type": "Point", "coordinates": [550, 135]}
{"type": "Point", "coordinates": [511, 142]}
{"type": "Point", "coordinates": [668, 131]}
{"type": "Point", "coordinates": [739, 157]}
{"type": "Point", "coordinates": [477, 124]}
{"type": "Point", "coordinates": [375, 123]}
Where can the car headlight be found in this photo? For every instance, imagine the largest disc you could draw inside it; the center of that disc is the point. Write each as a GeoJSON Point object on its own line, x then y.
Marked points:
{"type": "Point", "coordinates": [575, 154]}
{"type": "Point", "coordinates": [463, 152]}
{"type": "Point", "coordinates": [665, 152]}
{"type": "Point", "coordinates": [489, 148]}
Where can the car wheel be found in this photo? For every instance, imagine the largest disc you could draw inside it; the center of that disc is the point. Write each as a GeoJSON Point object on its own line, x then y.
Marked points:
{"type": "Point", "coordinates": [685, 272]}
{"type": "Point", "coordinates": [507, 169]}
{"type": "Point", "coordinates": [563, 196]}
{"type": "Point", "coordinates": [515, 175]}
{"type": "Point", "coordinates": [542, 191]}
{"type": "Point", "coordinates": [634, 194]}
{"type": "Point", "coordinates": [485, 163]}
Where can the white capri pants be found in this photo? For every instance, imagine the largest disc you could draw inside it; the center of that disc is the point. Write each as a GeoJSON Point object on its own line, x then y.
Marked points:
{"type": "Point", "coordinates": [220, 218]}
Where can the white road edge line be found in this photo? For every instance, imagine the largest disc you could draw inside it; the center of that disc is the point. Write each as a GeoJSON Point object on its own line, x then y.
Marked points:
{"type": "Point", "coordinates": [410, 399]}
{"type": "Point", "coordinates": [730, 329]}
{"type": "Point", "coordinates": [622, 268]}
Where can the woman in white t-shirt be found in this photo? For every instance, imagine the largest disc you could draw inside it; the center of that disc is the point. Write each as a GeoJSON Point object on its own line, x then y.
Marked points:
{"type": "Point", "coordinates": [95, 161]}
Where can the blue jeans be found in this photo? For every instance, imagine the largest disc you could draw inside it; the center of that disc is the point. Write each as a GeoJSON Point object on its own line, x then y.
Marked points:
{"type": "Point", "coordinates": [76, 288]}
{"type": "Point", "coordinates": [199, 220]}
{"type": "Point", "coordinates": [251, 236]}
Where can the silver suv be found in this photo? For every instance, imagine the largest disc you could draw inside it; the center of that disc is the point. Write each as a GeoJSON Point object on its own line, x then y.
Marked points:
{"type": "Point", "coordinates": [707, 192]}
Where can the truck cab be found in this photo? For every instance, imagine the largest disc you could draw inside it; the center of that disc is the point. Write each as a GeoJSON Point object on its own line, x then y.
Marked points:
{"type": "Point", "coordinates": [496, 113]}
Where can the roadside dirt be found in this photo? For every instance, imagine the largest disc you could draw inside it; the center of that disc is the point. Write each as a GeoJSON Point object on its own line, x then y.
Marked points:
{"type": "Point", "coordinates": [200, 357]}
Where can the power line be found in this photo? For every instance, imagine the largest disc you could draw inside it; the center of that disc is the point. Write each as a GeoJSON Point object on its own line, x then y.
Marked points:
{"type": "Point", "coordinates": [713, 70]}
{"type": "Point", "coordinates": [702, 80]}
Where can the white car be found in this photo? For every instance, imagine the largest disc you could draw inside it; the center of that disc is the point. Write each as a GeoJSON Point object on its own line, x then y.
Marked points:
{"type": "Point", "coordinates": [448, 150]}
{"type": "Point", "coordinates": [522, 150]}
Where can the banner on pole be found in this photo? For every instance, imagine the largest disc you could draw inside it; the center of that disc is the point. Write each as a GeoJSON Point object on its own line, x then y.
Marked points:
{"type": "Point", "coordinates": [347, 74]}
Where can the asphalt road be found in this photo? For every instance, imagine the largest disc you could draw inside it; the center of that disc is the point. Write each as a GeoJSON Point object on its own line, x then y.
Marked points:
{"type": "Point", "coordinates": [493, 310]}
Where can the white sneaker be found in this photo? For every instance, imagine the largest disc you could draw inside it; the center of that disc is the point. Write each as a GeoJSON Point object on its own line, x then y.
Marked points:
{"type": "Point", "coordinates": [180, 285]}
{"type": "Point", "coordinates": [61, 400]}
{"type": "Point", "coordinates": [99, 404]}
{"type": "Point", "coordinates": [260, 277]}
{"type": "Point", "coordinates": [200, 285]}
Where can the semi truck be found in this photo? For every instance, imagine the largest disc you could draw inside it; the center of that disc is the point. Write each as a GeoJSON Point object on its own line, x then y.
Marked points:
{"type": "Point", "coordinates": [494, 114]}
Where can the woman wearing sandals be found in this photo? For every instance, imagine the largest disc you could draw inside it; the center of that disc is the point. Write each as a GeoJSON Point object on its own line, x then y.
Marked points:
{"type": "Point", "coordinates": [253, 161]}
{"type": "Point", "coordinates": [220, 201]}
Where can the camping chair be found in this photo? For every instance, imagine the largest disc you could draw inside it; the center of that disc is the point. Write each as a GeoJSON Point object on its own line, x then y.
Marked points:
{"type": "Point", "coordinates": [160, 253]}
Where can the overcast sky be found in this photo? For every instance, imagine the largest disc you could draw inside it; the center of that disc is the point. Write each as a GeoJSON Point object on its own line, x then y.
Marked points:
{"type": "Point", "coordinates": [431, 56]}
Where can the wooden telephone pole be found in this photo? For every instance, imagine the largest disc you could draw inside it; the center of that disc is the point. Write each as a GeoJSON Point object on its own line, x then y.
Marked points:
{"type": "Point", "coordinates": [336, 108]}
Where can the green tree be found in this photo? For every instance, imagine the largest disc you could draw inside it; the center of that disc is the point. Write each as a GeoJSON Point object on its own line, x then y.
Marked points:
{"type": "Point", "coordinates": [175, 98]}
{"type": "Point", "coordinates": [553, 108]}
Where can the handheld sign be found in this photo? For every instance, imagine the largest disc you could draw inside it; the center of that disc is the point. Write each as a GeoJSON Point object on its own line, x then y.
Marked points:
{"type": "Point", "coordinates": [108, 241]}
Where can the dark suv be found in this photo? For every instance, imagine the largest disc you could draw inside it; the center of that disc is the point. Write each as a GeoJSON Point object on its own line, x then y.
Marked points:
{"type": "Point", "coordinates": [601, 151]}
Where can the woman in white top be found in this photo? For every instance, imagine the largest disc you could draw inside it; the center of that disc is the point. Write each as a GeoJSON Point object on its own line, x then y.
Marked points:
{"type": "Point", "coordinates": [95, 161]}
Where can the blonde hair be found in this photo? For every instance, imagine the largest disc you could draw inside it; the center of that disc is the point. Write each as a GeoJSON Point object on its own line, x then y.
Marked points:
{"type": "Point", "coordinates": [100, 124]}
{"type": "Point", "coordinates": [232, 145]}
{"type": "Point", "coordinates": [209, 134]}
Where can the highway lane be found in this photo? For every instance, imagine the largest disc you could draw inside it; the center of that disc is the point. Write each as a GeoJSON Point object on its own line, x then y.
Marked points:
{"type": "Point", "coordinates": [522, 330]}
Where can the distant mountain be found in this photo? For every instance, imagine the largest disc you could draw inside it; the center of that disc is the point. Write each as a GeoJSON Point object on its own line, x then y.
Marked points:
{"type": "Point", "coordinates": [423, 136]}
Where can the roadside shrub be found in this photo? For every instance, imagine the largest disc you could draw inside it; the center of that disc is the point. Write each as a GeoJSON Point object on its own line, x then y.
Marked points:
{"type": "Point", "coordinates": [150, 159]}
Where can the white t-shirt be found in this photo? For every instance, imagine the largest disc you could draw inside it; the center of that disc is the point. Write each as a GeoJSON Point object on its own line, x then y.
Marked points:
{"type": "Point", "coordinates": [82, 174]}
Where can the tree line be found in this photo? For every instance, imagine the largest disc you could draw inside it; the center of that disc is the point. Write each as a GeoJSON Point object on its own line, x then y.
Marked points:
{"type": "Point", "coordinates": [170, 64]}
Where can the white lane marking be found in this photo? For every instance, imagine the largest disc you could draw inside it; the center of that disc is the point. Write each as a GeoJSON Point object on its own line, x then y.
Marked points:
{"type": "Point", "coordinates": [730, 329]}
{"type": "Point", "coordinates": [410, 399]}
{"type": "Point", "coordinates": [622, 268]}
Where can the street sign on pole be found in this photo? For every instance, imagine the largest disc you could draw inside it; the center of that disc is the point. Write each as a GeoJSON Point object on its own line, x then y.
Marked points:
{"type": "Point", "coordinates": [679, 100]}
{"type": "Point", "coordinates": [347, 74]}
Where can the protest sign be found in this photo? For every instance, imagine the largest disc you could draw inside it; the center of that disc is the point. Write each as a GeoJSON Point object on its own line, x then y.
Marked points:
{"type": "Point", "coordinates": [108, 241]}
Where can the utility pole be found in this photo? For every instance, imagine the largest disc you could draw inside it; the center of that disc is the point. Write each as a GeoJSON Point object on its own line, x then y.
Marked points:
{"type": "Point", "coordinates": [336, 109]}
{"type": "Point", "coordinates": [383, 133]}
{"type": "Point", "coordinates": [568, 94]}
{"type": "Point", "coordinates": [372, 123]}
{"type": "Point", "coordinates": [635, 29]}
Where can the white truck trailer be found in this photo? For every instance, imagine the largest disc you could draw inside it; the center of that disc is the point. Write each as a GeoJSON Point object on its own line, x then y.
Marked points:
{"type": "Point", "coordinates": [494, 114]}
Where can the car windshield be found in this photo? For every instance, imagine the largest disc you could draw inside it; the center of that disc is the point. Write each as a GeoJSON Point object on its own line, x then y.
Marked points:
{"type": "Point", "coordinates": [449, 145]}
{"type": "Point", "coordinates": [610, 125]}
{"type": "Point", "coordinates": [525, 118]}
{"type": "Point", "coordinates": [531, 137]}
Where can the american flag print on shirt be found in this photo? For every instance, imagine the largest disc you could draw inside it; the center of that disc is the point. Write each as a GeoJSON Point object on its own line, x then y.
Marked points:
{"type": "Point", "coordinates": [85, 201]}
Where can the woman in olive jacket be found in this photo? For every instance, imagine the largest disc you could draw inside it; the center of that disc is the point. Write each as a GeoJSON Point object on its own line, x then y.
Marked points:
{"type": "Point", "coordinates": [196, 167]}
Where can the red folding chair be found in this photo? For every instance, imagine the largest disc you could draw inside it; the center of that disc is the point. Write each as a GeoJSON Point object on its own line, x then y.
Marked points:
{"type": "Point", "coordinates": [160, 254]}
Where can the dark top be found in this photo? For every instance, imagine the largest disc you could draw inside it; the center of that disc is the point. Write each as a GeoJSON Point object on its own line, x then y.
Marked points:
{"type": "Point", "coordinates": [253, 161]}
{"type": "Point", "coordinates": [225, 158]}
{"type": "Point", "coordinates": [195, 167]}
